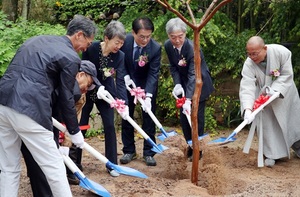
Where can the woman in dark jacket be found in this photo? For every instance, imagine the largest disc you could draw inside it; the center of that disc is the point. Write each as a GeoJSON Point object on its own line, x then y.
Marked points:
{"type": "Point", "coordinates": [109, 61]}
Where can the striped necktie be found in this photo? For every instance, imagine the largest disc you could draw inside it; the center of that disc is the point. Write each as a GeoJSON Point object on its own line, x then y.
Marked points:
{"type": "Point", "coordinates": [136, 56]}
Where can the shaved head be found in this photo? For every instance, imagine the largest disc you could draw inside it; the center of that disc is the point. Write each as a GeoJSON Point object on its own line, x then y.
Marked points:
{"type": "Point", "coordinates": [256, 49]}
{"type": "Point", "coordinates": [256, 41]}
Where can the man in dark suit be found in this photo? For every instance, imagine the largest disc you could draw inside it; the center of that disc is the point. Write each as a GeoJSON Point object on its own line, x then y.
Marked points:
{"type": "Point", "coordinates": [180, 51]}
{"type": "Point", "coordinates": [142, 63]}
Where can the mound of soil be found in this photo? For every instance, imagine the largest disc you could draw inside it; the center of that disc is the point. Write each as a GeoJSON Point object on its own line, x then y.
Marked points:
{"type": "Point", "coordinates": [223, 171]}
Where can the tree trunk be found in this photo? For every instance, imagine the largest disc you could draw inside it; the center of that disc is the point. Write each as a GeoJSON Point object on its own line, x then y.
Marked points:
{"type": "Point", "coordinates": [195, 106]}
{"type": "Point", "coordinates": [239, 25]}
{"type": "Point", "coordinates": [10, 8]}
{"type": "Point", "coordinates": [25, 9]}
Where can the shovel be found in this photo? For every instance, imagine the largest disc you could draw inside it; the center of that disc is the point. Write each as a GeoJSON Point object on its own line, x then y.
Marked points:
{"type": "Point", "coordinates": [106, 96]}
{"type": "Point", "coordinates": [231, 138]}
{"type": "Point", "coordinates": [188, 117]}
{"type": "Point", "coordinates": [84, 181]}
{"type": "Point", "coordinates": [150, 113]}
{"type": "Point", "coordinates": [120, 169]}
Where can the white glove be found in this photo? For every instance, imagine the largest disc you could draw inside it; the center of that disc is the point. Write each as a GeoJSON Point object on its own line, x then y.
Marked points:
{"type": "Point", "coordinates": [147, 104]}
{"type": "Point", "coordinates": [101, 91]}
{"type": "Point", "coordinates": [127, 80]}
{"type": "Point", "coordinates": [269, 91]}
{"type": "Point", "coordinates": [177, 90]}
{"type": "Point", "coordinates": [248, 116]}
{"type": "Point", "coordinates": [186, 107]}
{"type": "Point", "coordinates": [125, 113]}
{"type": "Point", "coordinates": [64, 150]}
{"type": "Point", "coordinates": [78, 139]}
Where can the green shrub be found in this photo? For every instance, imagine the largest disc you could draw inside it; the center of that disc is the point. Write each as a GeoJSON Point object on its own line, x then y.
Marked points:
{"type": "Point", "coordinates": [13, 35]}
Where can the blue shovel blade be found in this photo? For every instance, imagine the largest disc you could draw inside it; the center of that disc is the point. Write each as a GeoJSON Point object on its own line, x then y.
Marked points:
{"type": "Point", "coordinates": [159, 148]}
{"type": "Point", "coordinates": [165, 134]}
{"type": "Point", "coordinates": [199, 138]}
{"type": "Point", "coordinates": [92, 186]}
{"type": "Point", "coordinates": [156, 148]}
{"type": "Point", "coordinates": [126, 170]}
{"type": "Point", "coordinates": [222, 140]}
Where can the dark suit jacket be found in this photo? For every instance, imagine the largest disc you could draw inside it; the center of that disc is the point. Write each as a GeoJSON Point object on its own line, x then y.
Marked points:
{"type": "Point", "coordinates": [41, 65]}
{"type": "Point", "coordinates": [145, 77]}
{"type": "Point", "coordinates": [185, 75]}
{"type": "Point", "coordinates": [117, 90]}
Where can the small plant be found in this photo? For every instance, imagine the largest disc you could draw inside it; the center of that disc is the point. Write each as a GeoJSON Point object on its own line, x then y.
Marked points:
{"type": "Point", "coordinates": [93, 132]}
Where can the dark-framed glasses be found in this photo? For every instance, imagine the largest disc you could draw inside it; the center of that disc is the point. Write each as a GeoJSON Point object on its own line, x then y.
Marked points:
{"type": "Point", "coordinates": [89, 43]}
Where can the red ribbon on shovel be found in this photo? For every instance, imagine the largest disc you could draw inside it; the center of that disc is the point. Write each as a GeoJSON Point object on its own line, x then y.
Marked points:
{"type": "Point", "coordinates": [260, 100]}
{"type": "Point", "coordinates": [180, 102]}
{"type": "Point", "coordinates": [61, 136]}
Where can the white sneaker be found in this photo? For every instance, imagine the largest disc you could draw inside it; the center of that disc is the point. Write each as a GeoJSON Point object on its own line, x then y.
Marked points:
{"type": "Point", "coordinates": [113, 173]}
{"type": "Point", "coordinates": [269, 162]}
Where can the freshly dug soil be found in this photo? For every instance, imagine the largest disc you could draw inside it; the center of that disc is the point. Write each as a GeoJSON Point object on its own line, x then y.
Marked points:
{"type": "Point", "coordinates": [223, 171]}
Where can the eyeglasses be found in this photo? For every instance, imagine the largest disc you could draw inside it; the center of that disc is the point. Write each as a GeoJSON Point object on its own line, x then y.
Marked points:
{"type": "Point", "coordinates": [89, 42]}
{"type": "Point", "coordinates": [255, 54]}
{"type": "Point", "coordinates": [90, 82]}
{"type": "Point", "coordinates": [141, 37]}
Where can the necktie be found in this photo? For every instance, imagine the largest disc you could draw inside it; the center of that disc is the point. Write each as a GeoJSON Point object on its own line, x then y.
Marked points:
{"type": "Point", "coordinates": [136, 56]}
{"type": "Point", "coordinates": [177, 53]}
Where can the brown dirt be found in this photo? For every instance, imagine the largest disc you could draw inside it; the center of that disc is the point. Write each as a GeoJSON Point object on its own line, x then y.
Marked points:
{"type": "Point", "coordinates": [223, 171]}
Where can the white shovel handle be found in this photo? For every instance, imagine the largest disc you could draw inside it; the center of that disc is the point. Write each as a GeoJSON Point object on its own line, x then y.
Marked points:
{"type": "Point", "coordinates": [109, 99]}
{"type": "Point", "coordinates": [255, 112]}
{"type": "Point", "coordinates": [86, 146]}
{"type": "Point", "coordinates": [105, 95]}
{"type": "Point", "coordinates": [150, 113]}
{"type": "Point", "coordinates": [188, 117]}
{"type": "Point", "coordinates": [71, 165]}
{"type": "Point", "coordinates": [137, 127]}
{"type": "Point", "coordinates": [272, 98]}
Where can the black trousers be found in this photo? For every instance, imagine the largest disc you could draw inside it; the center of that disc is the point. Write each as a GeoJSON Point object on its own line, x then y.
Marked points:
{"type": "Point", "coordinates": [107, 116]}
{"type": "Point", "coordinates": [186, 128]}
{"type": "Point", "coordinates": [148, 126]}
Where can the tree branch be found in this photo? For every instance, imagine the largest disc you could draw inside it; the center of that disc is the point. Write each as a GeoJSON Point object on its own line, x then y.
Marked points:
{"type": "Point", "coordinates": [191, 12]}
{"type": "Point", "coordinates": [171, 9]}
{"type": "Point", "coordinates": [211, 14]}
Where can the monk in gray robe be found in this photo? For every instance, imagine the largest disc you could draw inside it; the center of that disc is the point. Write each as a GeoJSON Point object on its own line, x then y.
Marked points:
{"type": "Point", "coordinates": [269, 66]}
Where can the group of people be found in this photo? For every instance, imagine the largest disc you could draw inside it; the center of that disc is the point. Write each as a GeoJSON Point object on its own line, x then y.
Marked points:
{"type": "Point", "coordinates": [47, 78]}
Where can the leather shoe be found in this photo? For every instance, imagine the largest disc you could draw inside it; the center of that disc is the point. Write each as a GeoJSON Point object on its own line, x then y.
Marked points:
{"type": "Point", "coordinates": [190, 158]}
{"type": "Point", "coordinates": [128, 157]}
{"type": "Point", "coordinates": [150, 161]}
{"type": "Point", "coordinates": [72, 179]}
{"type": "Point", "coordinates": [189, 152]}
{"type": "Point", "coordinates": [296, 150]}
